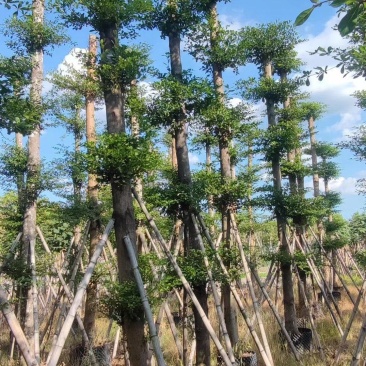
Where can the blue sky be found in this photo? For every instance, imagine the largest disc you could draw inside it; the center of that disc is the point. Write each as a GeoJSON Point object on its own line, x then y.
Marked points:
{"type": "Point", "coordinates": [334, 90]}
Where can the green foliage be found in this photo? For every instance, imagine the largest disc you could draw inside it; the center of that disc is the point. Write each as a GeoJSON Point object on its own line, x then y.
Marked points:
{"type": "Point", "coordinates": [357, 143]}
{"type": "Point", "coordinates": [312, 109]}
{"type": "Point", "coordinates": [357, 227]}
{"type": "Point", "coordinates": [168, 194]}
{"type": "Point", "coordinates": [264, 43]}
{"type": "Point", "coordinates": [225, 192]}
{"type": "Point", "coordinates": [17, 112]}
{"type": "Point", "coordinates": [13, 162]}
{"type": "Point", "coordinates": [223, 52]}
{"type": "Point", "coordinates": [27, 36]}
{"type": "Point", "coordinates": [123, 64]}
{"type": "Point", "coordinates": [303, 16]}
{"type": "Point", "coordinates": [294, 205]}
{"type": "Point", "coordinates": [269, 89]}
{"type": "Point", "coordinates": [103, 13]}
{"type": "Point", "coordinates": [360, 257]}
{"type": "Point", "coordinates": [123, 300]}
{"type": "Point", "coordinates": [338, 233]}
{"type": "Point", "coordinates": [121, 158]}
{"type": "Point", "coordinates": [280, 139]}
{"type": "Point", "coordinates": [174, 98]}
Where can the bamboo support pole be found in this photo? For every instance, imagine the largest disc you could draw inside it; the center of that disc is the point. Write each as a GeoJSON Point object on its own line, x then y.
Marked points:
{"type": "Point", "coordinates": [32, 246]}
{"type": "Point", "coordinates": [215, 294]}
{"type": "Point", "coordinates": [69, 296]}
{"type": "Point", "coordinates": [350, 321]}
{"type": "Point", "coordinates": [307, 305]}
{"type": "Point", "coordinates": [319, 278]}
{"type": "Point", "coordinates": [277, 316]}
{"type": "Point", "coordinates": [250, 327]}
{"type": "Point", "coordinates": [237, 297]}
{"type": "Point", "coordinates": [336, 271]}
{"type": "Point", "coordinates": [145, 302]}
{"type": "Point", "coordinates": [165, 308]}
{"type": "Point", "coordinates": [115, 344]}
{"type": "Point", "coordinates": [16, 329]}
{"type": "Point", "coordinates": [251, 289]}
{"type": "Point", "coordinates": [192, 353]}
{"type": "Point", "coordinates": [78, 298]}
{"type": "Point", "coordinates": [327, 291]}
{"type": "Point", "coordinates": [355, 264]}
{"type": "Point", "coordinates": [185, 283]}
{"type": "Point", "coordinates": [359, 347]}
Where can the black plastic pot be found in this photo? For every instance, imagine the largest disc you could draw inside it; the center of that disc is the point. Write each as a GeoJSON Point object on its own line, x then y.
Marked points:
{"type": "Point", "coordinates": [248, 358]}
{"type": "Point", "coordinates": [337, 295]}
{"type": "Point", "coordinates": [302, 341]}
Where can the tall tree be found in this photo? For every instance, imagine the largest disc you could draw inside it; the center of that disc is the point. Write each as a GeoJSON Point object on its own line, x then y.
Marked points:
{"type": "Point", "coordinates": [261, 46]}
{"type": "Point", "coordinates": [109, 19]}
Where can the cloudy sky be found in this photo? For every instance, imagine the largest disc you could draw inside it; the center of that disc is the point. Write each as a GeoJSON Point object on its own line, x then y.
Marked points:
{"type": "Point", "coordinates": [334, 91]}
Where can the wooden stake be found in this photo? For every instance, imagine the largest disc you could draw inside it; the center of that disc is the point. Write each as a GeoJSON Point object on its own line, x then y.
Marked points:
{"type": "Point", "coordinates": [78, 298]}
{"type": "Point", "coordinates": [185, 283]}
{"type": "Point", "coordinates": [16, 329]}
{"type": "Point", "coordinates": [251, 289]}
{"type": "Point", "coordinates": [145, 302]}
{"type": "Point", "coordinates": [216, 296]}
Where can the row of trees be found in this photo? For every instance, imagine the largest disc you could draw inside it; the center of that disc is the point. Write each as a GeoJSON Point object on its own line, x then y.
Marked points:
{"type": "Point", "coordinates": [126, 154]}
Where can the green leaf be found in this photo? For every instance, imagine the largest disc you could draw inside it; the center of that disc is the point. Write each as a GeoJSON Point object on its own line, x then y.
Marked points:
{"type": "Point", "coordinates": [337, 3]}
{"type": "Point", "coordinates": [348, 22]}
{"type": "Point", "coordinates": [303, 16]}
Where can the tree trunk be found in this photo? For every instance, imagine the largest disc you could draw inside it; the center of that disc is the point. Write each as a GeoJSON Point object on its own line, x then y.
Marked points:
{"type": "Point", "coordinates": [91, 291]}
{"type": "Point", "coordinates": [226, 175]}
{"type": "Point", "coordinates": [33, 177]}
{"type": "Point", "coordinates": [314, 159]}
{"type": "Point", "coordinates": [184, 176]}
{"type": "Point", "coordinates": [287, 282]}
{"type": "Point", "coordinates": [123, 211]}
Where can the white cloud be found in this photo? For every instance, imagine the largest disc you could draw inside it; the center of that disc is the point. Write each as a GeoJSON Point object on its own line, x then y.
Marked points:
{"type": "Point", "coordinates": [231, 22]}
{"type": "Point", "coordinates": [73, 60]}
{"type": "Point", "coordinates": [348, 121]}
{"type": "Point", "coordinates": [346, 186]}
{"type": "Point", "coordinates": [193, 159]}
{"type": "Point", "coordinates": [335, 89]}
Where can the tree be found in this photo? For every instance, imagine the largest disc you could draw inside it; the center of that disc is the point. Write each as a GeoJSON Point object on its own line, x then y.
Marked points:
{"type": "Point", "coordinates": [262, 46]}
{"type": "Point", "coordinates": [109, 19]}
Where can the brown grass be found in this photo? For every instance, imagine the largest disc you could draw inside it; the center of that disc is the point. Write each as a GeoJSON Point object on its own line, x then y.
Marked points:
{"type": "Point", "coordinates": [329, 336]}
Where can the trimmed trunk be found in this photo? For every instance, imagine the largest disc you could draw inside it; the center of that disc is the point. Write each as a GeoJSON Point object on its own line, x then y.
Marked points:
{"type": "Point", "coordinates": [226, 175]}
{"type": "Point", "coordinates": [184, 176]}
{"type": "Point", "coordinates": [91, 291]}
{"type": "Point", "coordinates": [33, 178]}
{"type": "Point", "coordinates": [123, 211]}
{"type": "Point", "coordinates": [314, 159]}
{"type": "Point", "coordinates": [20, 176]}
{"type": "Point", "coordinates": [287, 282]}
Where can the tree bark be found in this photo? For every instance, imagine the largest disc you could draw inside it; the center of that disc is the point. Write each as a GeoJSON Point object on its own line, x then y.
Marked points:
{"type": "Point", "coordinates": [33, 177]}
{"type": "Point", "coordinates": [226, 175]}
{"type": "Point", "coordinates": [184, 175]}
{"type": "Point", "coordinates": [123, 211]}
{"type": "Point", "coordinates": [287, 282]}
{"type": "Point", "coordinates": [91, 291]}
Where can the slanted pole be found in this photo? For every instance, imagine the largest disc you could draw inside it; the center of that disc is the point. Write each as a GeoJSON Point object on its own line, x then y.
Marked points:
{"type": "Point", "coordinates": [78, 298]}
{"type": "Point", "coordinates": [216, 296]}
{"type": "Point", "coordinates": [350, 321]}
{"type": "Point", "coordinates": [241, 307]}
{"type": "Point", "coordinates": [145, 302]}
{"type": "Point", "coordinates": [16, 329]}
{"type": "Point", "coordinates": [185, 283]}
{"type": "Point", "coordinates": [251, 289]}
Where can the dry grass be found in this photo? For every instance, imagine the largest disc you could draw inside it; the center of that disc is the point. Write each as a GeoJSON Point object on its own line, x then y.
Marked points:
{"type": "Point", "coordinates": [328, 333]}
